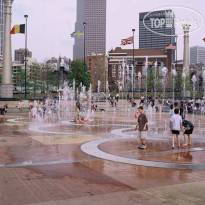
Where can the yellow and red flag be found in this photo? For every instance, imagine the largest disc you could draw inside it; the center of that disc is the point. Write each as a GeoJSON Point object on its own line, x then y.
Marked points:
{"type": "Point", "coordinates": [18, 29]}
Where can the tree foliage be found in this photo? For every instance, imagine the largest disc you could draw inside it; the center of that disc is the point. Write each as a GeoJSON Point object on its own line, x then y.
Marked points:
{"type": "Point", "coordinates": [76, 72]}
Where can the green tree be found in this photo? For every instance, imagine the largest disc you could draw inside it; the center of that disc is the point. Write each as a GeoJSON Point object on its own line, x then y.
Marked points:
{"type": "Point", "coordinates": [151, 79]}
{"type": "Point", "coordinates": [158, 82]}
{"type": "Point", "coordinates": [113, 86]}
{"type": "Point", "coordinates": [20, 78]}
{"type": "Point", "coordinates": [50, 79]}
{"type": "Point", "coordinates": [76, 72]}
{"type": "Point", "coordinates": [99, 74]}
{"type": "Point", "coordinates": [179, 80]}
{"type": "Point", "coordinates": [35, 77]}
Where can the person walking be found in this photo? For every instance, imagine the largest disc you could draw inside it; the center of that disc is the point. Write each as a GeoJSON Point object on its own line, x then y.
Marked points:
{"type": "Point", "coordinates": [176, 126]}
{"type": "Point", "coordinates": [142, 127]}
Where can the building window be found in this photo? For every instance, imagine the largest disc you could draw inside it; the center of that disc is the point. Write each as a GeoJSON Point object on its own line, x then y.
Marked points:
{"type": "Point", "coordinates": [120, 71]}
{"type": "Point", "coordinates": [114, 71]}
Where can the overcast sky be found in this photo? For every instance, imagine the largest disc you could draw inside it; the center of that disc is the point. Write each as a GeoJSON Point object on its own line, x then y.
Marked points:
{"type": "Point", "coordinates": [51, 22]}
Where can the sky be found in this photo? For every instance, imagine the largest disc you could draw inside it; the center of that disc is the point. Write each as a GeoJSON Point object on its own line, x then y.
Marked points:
{"type": "Point", "coordinates": [51, 22]}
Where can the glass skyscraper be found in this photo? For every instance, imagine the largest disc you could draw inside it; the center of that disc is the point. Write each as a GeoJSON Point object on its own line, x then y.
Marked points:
{"type": "Point", "coordinates": [160, 22]}
{"type": "Point", "coordinates": [2, 24]}
{"type": "Point", "coordinates": [93, 12]}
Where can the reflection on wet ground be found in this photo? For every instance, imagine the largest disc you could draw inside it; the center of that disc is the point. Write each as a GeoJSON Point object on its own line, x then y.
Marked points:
{"type": "Point", "coordinates": [43, 163]}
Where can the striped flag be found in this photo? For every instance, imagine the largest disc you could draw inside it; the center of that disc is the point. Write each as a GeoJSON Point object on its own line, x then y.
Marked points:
{"type": "Point", "coordinates": [18, 29]}
{"type": "Point", "coordinates": [127, 41]}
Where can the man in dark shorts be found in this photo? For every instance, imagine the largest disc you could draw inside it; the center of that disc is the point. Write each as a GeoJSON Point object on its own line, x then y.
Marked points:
{"type": "Point", "coordinates": [188, 130]}
{"type": "Point", "coordinates": [142, 127]}
{"type": "Point", "coordinates": [176, 126]}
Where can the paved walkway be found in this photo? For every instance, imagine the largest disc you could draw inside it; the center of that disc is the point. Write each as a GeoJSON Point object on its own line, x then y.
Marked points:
{"type": "Point", "coordinates": [99, 163]}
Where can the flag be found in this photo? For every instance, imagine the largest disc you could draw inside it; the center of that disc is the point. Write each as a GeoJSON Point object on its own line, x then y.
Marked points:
{"type": "Point", "coordinates": [127, 41]}
{"type": "Point", "coordinates": [18, 29]}
{"type": "Point", "coordinates": [172, 46]}
{"type": "Point", "coordinates": [78, 34]}
{"type": "Point", "coordinates": [204, 39]}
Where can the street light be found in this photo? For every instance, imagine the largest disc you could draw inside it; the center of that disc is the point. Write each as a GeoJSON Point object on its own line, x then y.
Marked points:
{"type": "Point", "coordinates": [176, 50]}
{"type": "Point", "coordinates": [26, 17]}
{"type": "Point", "coordinates": [84, 25]}
{"type": "Point", "coordinates": [133, 30]}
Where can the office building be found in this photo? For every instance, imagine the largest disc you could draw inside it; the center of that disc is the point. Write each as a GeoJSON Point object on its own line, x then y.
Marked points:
{"type": "Point", "coordinates": [156, 30]}
{"type": "Point", "coordinates": [97, 68]}
{"type": "Point", "coordinates": [93, 12]}
{"type": "Point", "coordinates": [197, 55]}
{"type": "Point", "coordinates": [20, 55]}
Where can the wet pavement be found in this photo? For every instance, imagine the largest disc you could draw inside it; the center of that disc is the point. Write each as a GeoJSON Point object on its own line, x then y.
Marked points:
{"type": "Point", "coordinates": [99, 162]}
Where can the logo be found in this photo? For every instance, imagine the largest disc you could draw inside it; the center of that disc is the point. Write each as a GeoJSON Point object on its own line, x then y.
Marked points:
{"type": "Point", "coordinates": [172, 20]}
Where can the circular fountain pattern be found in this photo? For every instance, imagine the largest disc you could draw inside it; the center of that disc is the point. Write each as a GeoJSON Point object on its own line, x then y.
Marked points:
{"type": "Point", "coordinates": [92, 148]}
{"type": "Point", "coordinates": [44, 128]}
{"type": "Point", "coordinates": [17, 120]}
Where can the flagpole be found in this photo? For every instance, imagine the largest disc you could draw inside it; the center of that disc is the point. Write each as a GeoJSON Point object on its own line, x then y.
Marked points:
{"type": "Point", "coordinates": [133, 30]}
{"type": "Point", "coordinates": [176, 51]}
{"type": "Point", "coordinates": [26, 17]}
{"type": "Point", "coordinates": [84, 24]}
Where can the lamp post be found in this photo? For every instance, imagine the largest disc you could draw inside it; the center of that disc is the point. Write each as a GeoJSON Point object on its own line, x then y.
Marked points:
{"type": "Point", "coordinates": [133, 30]}
{"type": "Point", "coordinates": [176, 51]}
{"type": "Point", "coordinates": [26, 17]}
{"type": "Point", "coordinates": [84, 25]}
{"type": "Point", "coordinates": [174, 73]}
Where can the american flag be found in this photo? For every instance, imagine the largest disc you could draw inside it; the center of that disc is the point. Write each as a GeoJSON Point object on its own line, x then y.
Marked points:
{"type": "Point", "coordinates": [127, 41]}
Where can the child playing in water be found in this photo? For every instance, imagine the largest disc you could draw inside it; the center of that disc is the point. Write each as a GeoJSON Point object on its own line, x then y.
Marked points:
{"type": "Point", "coordinates": [188, 130]}
{"type": "Point", "coordinates": [34, 112]}
{"type": "Point", "coordinates": [176, 126]}
{"type": "Point", "coordinates": [79, 116]}
{"type": "Point", "coordinates": [142, 126]}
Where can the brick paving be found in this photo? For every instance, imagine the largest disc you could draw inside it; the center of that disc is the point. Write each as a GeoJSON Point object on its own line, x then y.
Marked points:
{"type": "Point", "coordinates": [47, 169]}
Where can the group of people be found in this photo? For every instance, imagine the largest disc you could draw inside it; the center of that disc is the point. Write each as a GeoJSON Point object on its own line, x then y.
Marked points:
{"type": "Point", "coordinates": [47, 111]}
{"type": "Point", "coordinates": [113, 100]}
{"type": "Point", "coordinates": [190, 106]}
{"type": "Point", "coordinates": [177, 124]}
{"type": "Point", "coordinates": [84, 111]}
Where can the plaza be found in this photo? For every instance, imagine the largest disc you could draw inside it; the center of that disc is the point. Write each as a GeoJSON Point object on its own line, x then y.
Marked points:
{"type": "Point", "coordinates": [102, 103]}
{"type": "Point", "coordinates": [99, 162]}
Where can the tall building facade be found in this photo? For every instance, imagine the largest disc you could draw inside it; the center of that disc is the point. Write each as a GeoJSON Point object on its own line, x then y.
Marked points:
{"type": "Point", "coordinates": [93, 13]}
{"type": "Point", "coordinates": [2, 24]}
{"type": "Point", "coordinates": [97, 67]}
{"type": "Point", "coordinates": [20, 55]}
{"type": "Point", "coordinates": [157, 22]}
{"type": "Point", "coordinates": [197, 55]}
